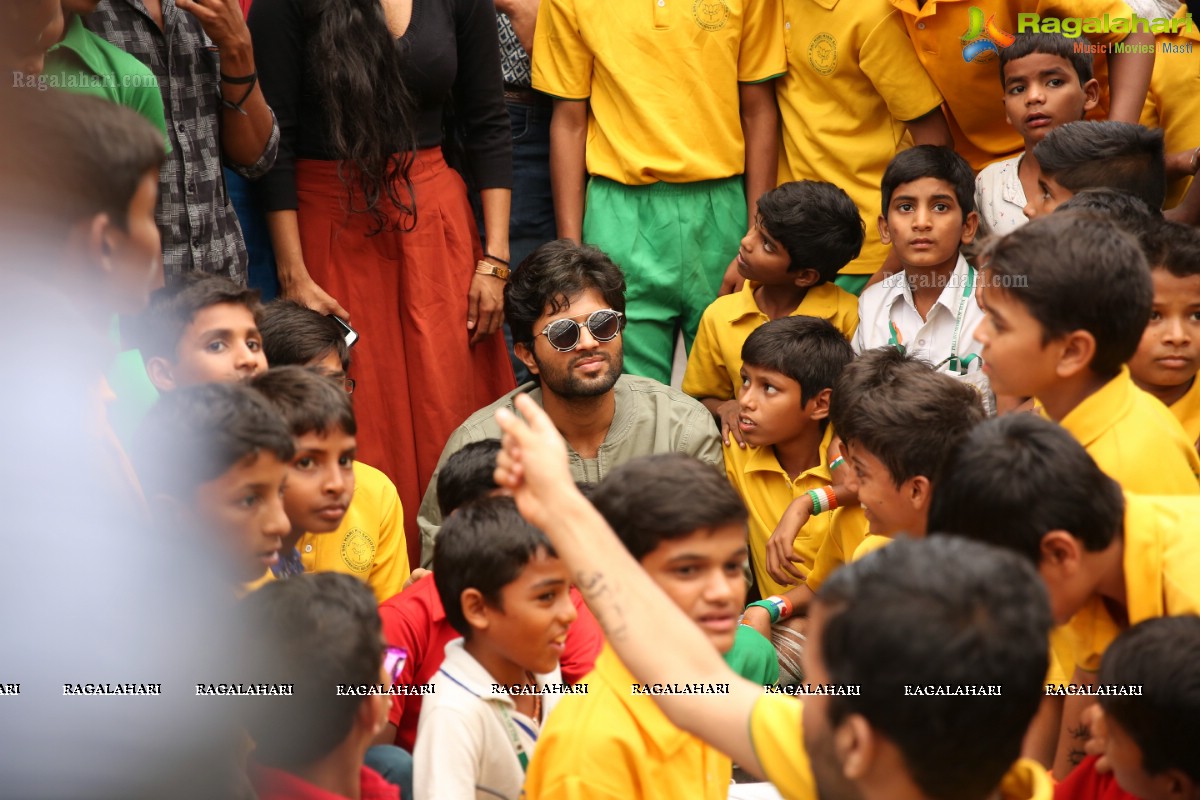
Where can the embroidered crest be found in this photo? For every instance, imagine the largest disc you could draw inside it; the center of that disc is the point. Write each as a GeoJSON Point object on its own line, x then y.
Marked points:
{"type": "Point", "coordinates": [358, 551]}
{"type": "Point", "coordinates": [822, 53]}
{"type": "Point", "coordinates": [710, 14]}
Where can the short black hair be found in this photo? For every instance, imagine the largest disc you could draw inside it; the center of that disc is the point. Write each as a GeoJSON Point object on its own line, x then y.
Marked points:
{"type": "Point", "coordinates": [157, 330]}
{"type": "Point", "coordinates": [1173, 246]}
{"type": "Point", "coordinates": [294, 334]}
{"type": "Point", "coordinates": [930, 161]}
{"type": "Point", "coordinates": [930, 613]}
{"type": "Point", "coordinates": [308, 401]}
{"type": "Point", "coordinates": [1077, 271]}
{"type": "Point", "coordinates": [657, 498]}
{"type": "Point", "coordinates": [484, 545]}
{"type": "Point", "coordinates": [869, 373]}
{"type": "Point", "coordinates": [1015, 478]}
{"type": "Point", "coordinates": [809, 350]}
{"type": "Point", "coordinates": [914, 422]}
{"type": "Point", "coordinates": [1050, 44]}
{"type": "Point", "coordinates": [1129, 212]}
{"type": "Point", "coordinates": [551, 276]}
{"type": "Point", "coordinates": [816, 222]}
{"type": "Point", "coordinates": [1119, 155]}
{"type": "Point", "coordinates": [66, 157]}
{"type": "Point", "coordinates": [1160, 655]}
{"type": "Point", "coordinates": [198, 433]}
{"type": "Point", "coordinates": [467, 475]}
{"type": "Point", "coordinates": [316, 632]}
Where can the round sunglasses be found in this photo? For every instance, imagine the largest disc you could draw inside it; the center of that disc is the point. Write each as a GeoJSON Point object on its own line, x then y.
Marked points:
{"type": "Point", "coordinates": [603, 325]}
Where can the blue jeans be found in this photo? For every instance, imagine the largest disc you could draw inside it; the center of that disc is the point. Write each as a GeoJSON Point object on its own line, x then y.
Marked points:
{"type": "Point", "coordinates": [395, 764]}
{"type": "Point", "coordinates": [261, 272]}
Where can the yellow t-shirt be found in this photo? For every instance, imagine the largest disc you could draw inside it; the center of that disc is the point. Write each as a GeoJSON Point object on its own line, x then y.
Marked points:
{"type": "Point", "coordinates": [1162, 572]}
{"type": "Point", "coordinates": [972, 89]}
{"type": "Point", "coordinates": [870, 544]}
{"type": "Point", "coordinates": [1027, 780]}
{"type": "Point", "coordinates": [370, 543]}
{"type": "Point", "coordinates": [853, 80]}
{"type": "Point", "coordinates": [611, 743]}
{"type": "Point", "coordinates": [715, 363]}
{"type": "Point", "coordinates": [1187, 410]}
{"type": "Point", "coordinates": [767, 490]}
{"type": "Point", "coordinates": [847, 530]}
{"type": "Point", "coordinates": [661, 78]}
{"type": "Point", "coordinates": [1135, 439]}
{"type": "Point", "coordinates": [1173, 102]}
{"type": "Point", "coordinates": [777, 735]}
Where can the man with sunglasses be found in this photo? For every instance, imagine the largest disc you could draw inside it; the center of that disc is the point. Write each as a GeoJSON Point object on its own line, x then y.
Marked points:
{"type": "Point", "coordinates": [566, 308]}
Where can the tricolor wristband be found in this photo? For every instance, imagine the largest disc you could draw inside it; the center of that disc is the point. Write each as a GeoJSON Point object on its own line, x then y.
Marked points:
{"type": "Point", "coordinates": [823, 499]}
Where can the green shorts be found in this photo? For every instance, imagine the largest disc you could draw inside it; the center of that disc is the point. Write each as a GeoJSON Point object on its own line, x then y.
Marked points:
{"type": "Point", "coordinates": [674, 242]}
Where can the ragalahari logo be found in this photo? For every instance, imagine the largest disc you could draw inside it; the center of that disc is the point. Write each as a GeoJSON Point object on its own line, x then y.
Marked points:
{"type": "Point", "coordinates": [983, 41]}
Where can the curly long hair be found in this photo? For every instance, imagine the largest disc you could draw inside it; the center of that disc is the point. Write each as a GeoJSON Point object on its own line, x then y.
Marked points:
{"type": "Point", "coordinates": [369, 126]}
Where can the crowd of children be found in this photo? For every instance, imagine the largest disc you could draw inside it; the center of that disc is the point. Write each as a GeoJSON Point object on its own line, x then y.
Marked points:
{"type": "Point", "coordinates": [922, 521]}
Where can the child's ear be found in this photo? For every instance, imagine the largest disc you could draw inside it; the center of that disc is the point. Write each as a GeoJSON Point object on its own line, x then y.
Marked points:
{"type": "Point", "coordinates": [474, 608]}
{"type": "Point", "coordinates": [1175, 784]}
{"type": "Point", "coordinates": [804, 278]}
{"type": "Point", "coordinates": [1078, 350]}
{"type": "Point", "coordinates": [817, 407]}
{"type": "Point", "coordinates": [920, 492]}
{"type": "Point", "coordinates": [1091, 96]}
{"type": "Point", "coordinates": [854, 746]}
{"type": "Point", "coordinates": [885, 235]}
{"type": "Point", "coordinates": [158, 369]}
{"type": "Point", "coordinates": [1060, 552]}
{"type": "Point", "coordinates": [524, 352]}
{"type": "Point", "coordinates": [970, 227]}
{"type": "Point", "coordinates": [98, 233]}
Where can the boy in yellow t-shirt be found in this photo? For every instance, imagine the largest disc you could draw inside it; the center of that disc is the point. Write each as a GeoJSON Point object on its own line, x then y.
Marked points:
{"type": "Point", "coordinates": [888, 630]}
{"type": "Point", "coordinates": [803, 234]}
{"type": "Point", "coordinates": [1168, 357]}
{"type": "Point", "coordinates": [1066, 300]}
{"type": "Point", "coordinates": [336, 525]}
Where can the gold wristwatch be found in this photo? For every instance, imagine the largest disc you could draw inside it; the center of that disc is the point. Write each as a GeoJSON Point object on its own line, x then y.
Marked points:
{"type": "Point", "coordinates": [495, 270]}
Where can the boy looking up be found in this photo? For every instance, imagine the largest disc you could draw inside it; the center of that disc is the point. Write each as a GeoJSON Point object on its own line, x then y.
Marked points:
{"type": "Point", "coordinates": [506, 592]}
{"type": "Point", "coordinates": [669, 186]}
{"type": "Point", "coordinates": [803, 234]}
{"type": "Point", "coordinates": [928, 307]}
{"type": "Point", "coordinates": [788, 369]}
{"type": "Point", "coordinates": [924, 613]}
{"type": "Point", "coordinates": [1087, 155]}
{"type": "Point", "coordinates": [1047, 83]}
{"type": "Point", "coordinates": [691, 542]}
{"type": "Point", "coordinates": [1067, 299]}
{"type": "Point", "coordinates": [1168, 357]}
{"type": "Point", "coordinates": [345, 516]}
{"type": "Point", "coordinates": [315, 633]}
{"type": "Point", "coordinates": [213, 459]}
{"type": "Point", "coordinates": [201, 329]}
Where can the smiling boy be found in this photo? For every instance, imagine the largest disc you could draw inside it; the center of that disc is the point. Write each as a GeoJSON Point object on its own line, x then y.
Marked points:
{"type": "Point", "coordinates": [928, 308]}
{"type": "Point", "coordinates": [1047, 83]}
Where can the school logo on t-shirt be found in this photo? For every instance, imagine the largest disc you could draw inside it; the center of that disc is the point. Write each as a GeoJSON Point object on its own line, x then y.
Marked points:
{"type": "Point", "coordinates": [822, 53]}
{"type": "Point", "coordinates": [710, 14]}
{"type": "Point", "coordinates": [358, 551]}
{"type": "Point", "coordinates": [983, 40]}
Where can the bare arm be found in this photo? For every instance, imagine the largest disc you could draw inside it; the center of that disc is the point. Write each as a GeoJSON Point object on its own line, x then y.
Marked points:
{"type": "Point", "coordinates": [294, 281]}
{"type": "Point", "coordinates": [1129, 78]}
{"type": "Point", "coordinates": [639, 621]}
{"type": "Point", "coordinates": [485, 301]}
{"type": "Point", "coordinates": [568, 167]}
{"type": "Point", "coordinates": [523, 16]}
{"type": "Point", "coordinates": [931, 128]}
{"type": "Point", "coordinates": [760, 129]}
{"type": "Point", "coordinates": [1188, 210]}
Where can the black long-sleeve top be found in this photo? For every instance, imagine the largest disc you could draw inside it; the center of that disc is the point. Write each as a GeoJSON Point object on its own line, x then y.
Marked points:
{"type": "Point", "coordinates": [449, 49]}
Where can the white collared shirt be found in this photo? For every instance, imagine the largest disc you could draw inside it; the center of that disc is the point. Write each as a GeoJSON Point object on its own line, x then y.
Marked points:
{"type": "Point", "coordinates": [890, 301]}
{"type": "Point", "coordinates": [463, 749]}
{"type": "Point", "coordinates": [1000, 197]}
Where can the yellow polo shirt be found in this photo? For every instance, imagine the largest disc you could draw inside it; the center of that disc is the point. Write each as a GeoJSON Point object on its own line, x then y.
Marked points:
{"type": "Point", "coordinates": [847, 530]}
{"type": "Point", "coordinates": [767, 490]}
{"type": "Point", "coordinates": [777, 735]}
{"type": "Point", "coordinates": [1187, 410]}
{"type": "Point", "coordinates": [611, 743]}
{"type": "Point", "coordinates": [853, 79]}
{"type": "Point", "coordinates": [661, 80]}
{"type": "Point", "coordinates": [1135, 439]}
{"type": "Point", "coordinates": [370, 543]}
{"type": "Point", "coordinates": [715, 364]}
{"type": "Point", "coordinates": [972, 89]}
{"type": "Point", "coordinates": [870, 543]}
{"type": "Point", "coordinates": [1162, 572]}
{"type": "Point", "coordinates": [1027, 780]}
{"type": "Point", "coordinates": [1173, 102]}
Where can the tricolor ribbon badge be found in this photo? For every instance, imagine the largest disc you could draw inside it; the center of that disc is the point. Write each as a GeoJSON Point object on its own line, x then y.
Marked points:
{"type": "Point", "coordinates": [983, 37]}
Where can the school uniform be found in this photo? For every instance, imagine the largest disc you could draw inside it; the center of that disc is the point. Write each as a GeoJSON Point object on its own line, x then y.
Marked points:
{"type": "Point", "coordinates": [1187, 410]}
{"type": "Point", "coordinates": [1173, 101]}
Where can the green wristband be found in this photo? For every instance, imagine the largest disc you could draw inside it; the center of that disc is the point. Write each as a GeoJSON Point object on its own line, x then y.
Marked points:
{"type": "Point", "coordinates": [771, 608]}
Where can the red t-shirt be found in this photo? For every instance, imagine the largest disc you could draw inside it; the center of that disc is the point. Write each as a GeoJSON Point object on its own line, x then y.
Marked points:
{"type": "Point", "coordinates": [416, 621]}
{"type": "Point", "coordinates": [275, 784]}
{"type": "Point", "coordinates": [1085, 783]}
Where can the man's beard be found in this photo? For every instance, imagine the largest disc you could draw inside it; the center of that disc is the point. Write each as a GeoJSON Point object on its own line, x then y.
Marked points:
{"type": "Point", "coordinates": [567, 385]}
